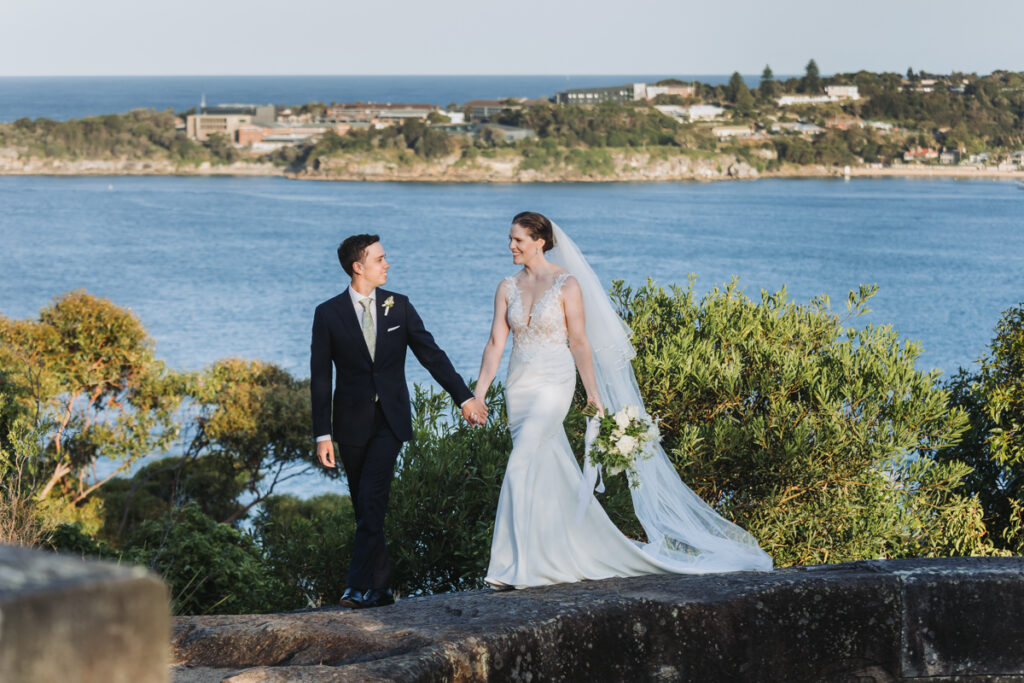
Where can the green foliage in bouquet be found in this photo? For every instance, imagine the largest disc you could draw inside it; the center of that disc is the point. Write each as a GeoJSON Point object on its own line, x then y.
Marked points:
{"type": "Point", "coordinates": [815, 436]}
{"type": "Point", "coordinates": [621, 439]}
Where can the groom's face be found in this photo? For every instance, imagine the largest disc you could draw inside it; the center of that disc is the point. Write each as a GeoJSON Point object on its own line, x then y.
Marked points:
{"type": "Point", "coordinates": [374, 265]}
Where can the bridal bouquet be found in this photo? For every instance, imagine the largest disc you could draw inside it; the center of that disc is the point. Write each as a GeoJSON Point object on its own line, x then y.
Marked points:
{"type": "Point", "coordinates": [620, 439]}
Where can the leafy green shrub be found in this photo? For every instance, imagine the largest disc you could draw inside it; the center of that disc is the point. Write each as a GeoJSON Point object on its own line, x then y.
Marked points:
{"type": "Point", "coordinates": [993, 398]}
{"type": "Point", "coordinates": [210, 567]}
{"type": "Point", "coordinates": [810, 434]}
{"type": "Point", "coordinates": [444, 497]}
{"type": "Point", "coordinates": [308, 544]}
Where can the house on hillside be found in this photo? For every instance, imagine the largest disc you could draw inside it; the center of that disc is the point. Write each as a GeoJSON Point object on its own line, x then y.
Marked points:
{"type": "Point", "coordinates": [677, 89]}
{"type": "Point", "coordinates": [704, 112]}
{"type": "Point", "coordinates": [614, 93]}
{"type": "Point", "coordinates": [789, 100]}
{"type": "Point", "coordinates": [920, 154]}
{"type": "Point", "coordinates": [727, 132]}
{"type": "Point", "coordinates": [843, 92]}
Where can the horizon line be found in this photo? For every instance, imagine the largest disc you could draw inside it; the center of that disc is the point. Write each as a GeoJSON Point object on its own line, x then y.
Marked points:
{"type": "Point", "coordinates": [450, 75]}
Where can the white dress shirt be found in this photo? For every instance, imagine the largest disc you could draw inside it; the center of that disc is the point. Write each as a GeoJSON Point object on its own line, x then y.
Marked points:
{"type": "Point", "coordinates": [358, 307]}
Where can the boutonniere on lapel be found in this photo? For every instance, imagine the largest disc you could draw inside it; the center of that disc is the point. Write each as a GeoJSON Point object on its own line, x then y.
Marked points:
{"type": "Point", "coordinates": [388, 303]}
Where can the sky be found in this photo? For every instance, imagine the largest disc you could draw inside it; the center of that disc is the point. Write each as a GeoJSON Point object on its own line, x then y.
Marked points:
{"type": "Point", "coordinates": [271, 37]}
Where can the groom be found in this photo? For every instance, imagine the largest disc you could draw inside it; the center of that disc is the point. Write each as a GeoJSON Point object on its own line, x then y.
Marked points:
{"type": "Point", "coordinates": [364, 332]}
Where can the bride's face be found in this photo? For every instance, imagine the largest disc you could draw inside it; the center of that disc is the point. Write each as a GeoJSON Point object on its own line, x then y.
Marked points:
{"type": "Point", "coordinates": [523, 247]}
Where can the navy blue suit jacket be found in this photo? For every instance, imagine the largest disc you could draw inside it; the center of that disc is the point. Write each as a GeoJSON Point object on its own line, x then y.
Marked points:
{"type": "Point", "coordinates": [338, 339]}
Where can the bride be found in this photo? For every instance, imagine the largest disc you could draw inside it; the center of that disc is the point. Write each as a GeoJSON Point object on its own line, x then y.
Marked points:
{"type": "Point", "coordinates": [549, 526]}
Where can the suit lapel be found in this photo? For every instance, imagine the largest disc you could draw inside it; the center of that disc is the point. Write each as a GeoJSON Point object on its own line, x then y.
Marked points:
{"type": "Point", "coordinates": [351, 324]}
{"type": "Point", "coordinates": [382, 320]}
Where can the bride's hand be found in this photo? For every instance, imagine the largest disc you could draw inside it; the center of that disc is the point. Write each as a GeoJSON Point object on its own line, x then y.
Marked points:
{"type": "Point", "coordinates": [594, 408]}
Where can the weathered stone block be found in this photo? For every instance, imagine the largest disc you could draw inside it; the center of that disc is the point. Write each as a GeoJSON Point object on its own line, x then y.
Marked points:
{"type": "Point", "coordinates": [64, 619]}
{"type": "Point", "coordinates": [944, 620]}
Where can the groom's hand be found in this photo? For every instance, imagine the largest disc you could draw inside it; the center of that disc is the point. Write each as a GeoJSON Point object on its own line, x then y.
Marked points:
{"type": "Point", "coordinates": [325, 453]}
{"type": "Point", "coordinates": [475, 412]}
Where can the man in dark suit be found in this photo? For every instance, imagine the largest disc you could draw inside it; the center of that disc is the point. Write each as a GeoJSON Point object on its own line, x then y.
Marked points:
{"type": "Point", "coordinates": [365, 332]}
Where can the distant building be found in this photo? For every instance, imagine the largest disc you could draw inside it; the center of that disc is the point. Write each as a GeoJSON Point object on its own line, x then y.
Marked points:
{"type": "Point", "coordinates": [677, 89]}
{"type": "Point", "coordinates": [880, 125]}
{"type": "Point", "coordinates": [920, 154]}
{"type": "Point", "coordinates": [279, 134]}
{"type": "Point", "coordinates": [613, 93]}
{"type": "Point", "coordinates": [473, 130]}
{"type": "Point", "coordinates": [949, 156]}
{"type": "Point", "coordinates": [788, 100]}
{"type": "Point", "coordinates": [923, 85]}
{"type": "Point", "coordinates": [704, 112]}
{"type": "Point", "coordinates": [800, 128]}
{"type": "Point", "coordinates": [226, 119]}
{"type": "Point", "coordinates": [377, 112]}
{"type": "Point", "coordinates": [843, 92]}
{"type": "Point", "coordinates": [674, 111]}
{"type": "Point", "coordinates": [726, 132]}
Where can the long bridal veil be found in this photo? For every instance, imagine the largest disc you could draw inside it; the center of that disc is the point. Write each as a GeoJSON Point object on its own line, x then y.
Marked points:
{"type": "Point", "coordinates": [682, 529]}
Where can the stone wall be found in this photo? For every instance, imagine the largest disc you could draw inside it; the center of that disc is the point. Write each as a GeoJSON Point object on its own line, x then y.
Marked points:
{"type": "Point", "coordinates": [938, 620]}
{"type": "Point", "coordinates": [69, 621]}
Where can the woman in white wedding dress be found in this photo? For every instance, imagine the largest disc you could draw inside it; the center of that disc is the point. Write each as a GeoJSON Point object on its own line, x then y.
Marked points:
{"type": "Point", "coordinates": [549, 526]}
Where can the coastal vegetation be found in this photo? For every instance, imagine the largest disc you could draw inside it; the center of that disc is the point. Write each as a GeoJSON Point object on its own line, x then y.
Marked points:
{"type": "Point", "coordinates": [818, 436]}
{"type": "Point", "coordinates": [975, 119]}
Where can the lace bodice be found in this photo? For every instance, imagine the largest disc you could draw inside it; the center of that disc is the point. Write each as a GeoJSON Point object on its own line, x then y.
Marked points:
{"type": "Point", "coordinates": [545, 325]}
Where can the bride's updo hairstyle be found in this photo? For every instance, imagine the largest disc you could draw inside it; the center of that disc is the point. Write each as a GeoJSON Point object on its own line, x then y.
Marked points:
{"type": "Point", "coordinates": [538, 226]}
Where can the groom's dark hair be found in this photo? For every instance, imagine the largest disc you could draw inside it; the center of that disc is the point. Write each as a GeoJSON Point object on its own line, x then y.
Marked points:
{"type": "Point", "coordinates": [353, 249]}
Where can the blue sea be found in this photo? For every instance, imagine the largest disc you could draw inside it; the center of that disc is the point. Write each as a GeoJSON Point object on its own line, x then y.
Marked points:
{"type": "Point", "coordinates": [66, 97]}
{"type": "Point", "coordinates": [219, 267]}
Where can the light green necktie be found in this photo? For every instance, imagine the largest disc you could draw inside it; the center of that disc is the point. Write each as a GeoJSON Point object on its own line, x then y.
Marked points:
{"type": "Point", "coordinates": [369, 334]}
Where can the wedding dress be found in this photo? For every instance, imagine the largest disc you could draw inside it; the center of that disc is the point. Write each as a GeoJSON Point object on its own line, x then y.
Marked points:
{"type": "Point", "coordinates": [549, 527]}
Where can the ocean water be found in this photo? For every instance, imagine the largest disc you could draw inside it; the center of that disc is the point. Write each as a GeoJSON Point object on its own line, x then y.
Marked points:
{"type": "Point", "coordinates": [65, 97]}
{"type": "Point", "coordinates": [219, 267]}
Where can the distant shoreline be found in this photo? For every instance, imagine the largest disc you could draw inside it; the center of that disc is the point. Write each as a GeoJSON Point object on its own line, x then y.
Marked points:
{"type": "Point", "coordinates": [429, 173]}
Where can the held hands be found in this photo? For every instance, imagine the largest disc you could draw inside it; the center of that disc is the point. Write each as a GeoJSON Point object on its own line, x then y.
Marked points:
{"type": "Point", "coordinates": [475, 412]}
{"type": "Point", "coordinates": [325, 453]}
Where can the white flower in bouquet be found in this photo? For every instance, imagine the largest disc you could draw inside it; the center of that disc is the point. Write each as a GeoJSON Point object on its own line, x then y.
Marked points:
{"type": "Point", "coordinates": [653, 433]}
{"type": "Point", "coordinates": [621, 440]}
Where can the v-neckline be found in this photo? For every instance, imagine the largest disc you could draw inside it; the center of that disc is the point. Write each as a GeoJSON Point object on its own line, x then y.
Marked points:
{"type": "Point", "coordinates": [540, 300]}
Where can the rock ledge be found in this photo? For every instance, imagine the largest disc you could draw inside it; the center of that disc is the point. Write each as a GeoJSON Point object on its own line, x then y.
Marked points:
{"type": "Point", "coordinates": [958, 619]}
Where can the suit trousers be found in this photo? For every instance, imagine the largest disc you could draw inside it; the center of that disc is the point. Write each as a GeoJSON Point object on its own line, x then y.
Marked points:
{"type": "Point", "coordinates": [369, 469]}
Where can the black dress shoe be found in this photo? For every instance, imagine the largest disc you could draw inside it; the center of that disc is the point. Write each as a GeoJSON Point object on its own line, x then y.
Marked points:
{"type": "Point", "coordinates": [377, 598]}
{"type": "Point", "coordinates": [352, 598]}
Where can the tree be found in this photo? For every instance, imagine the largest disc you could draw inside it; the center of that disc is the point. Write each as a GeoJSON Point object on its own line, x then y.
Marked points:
{"type": "Point", "coordinates": [806, 432]}
{"type": "Point", "coordinates": [769, 88]}
{"type": "Point", "coordinates": [732, 89]}
{"type": "Point", "coordinates": [993, 399]}
{"type": "Point", "coordinates": [744, 100]}
{"type": "Point", "coordinates": [86, 374]}
{"type": "Point", "coordinates": [253, 418]}
{"type": "Point", "coordinates": [811, 82]}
